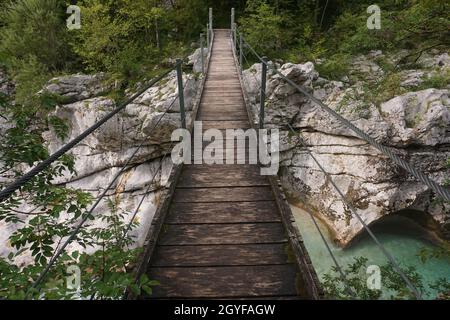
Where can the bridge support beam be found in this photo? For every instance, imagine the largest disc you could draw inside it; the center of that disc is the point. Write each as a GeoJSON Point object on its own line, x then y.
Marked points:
{"type": "Point", "coordinates": [210, 18]}
{"type": "Point", "coordinates": [263, 93]}
{"type": "Point", "coordinates": [202, 53]}
{"type": "Point", "coordinates": [241, 52]}
{"type": "Point", "coordinates": [181, 93]}
{"type": "Point", "coordinates": [207, 36]}
{"type": "Point", "coordinates": [232, 19]}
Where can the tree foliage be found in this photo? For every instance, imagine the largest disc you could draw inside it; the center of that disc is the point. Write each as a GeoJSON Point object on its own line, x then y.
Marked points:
{"type": "Point", "coordinates": [35, 28]}
{"type": "Point", "coordinates": [392, 284]}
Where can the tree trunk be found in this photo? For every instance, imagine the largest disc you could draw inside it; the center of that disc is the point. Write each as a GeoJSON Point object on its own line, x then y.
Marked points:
{"type": "Point", "coordinates": [323, 14]}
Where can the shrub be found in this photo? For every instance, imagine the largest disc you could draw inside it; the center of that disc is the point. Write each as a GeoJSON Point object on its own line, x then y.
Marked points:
{"type": "Point", "coordinates": [263, 29]}
{"type": "Point", "coordinates": [99, 40]}
{"type": "Point", "coordinates": [30, 75]}
{"type": "Point", "coordinates": [335, 67]}
{"type": "Point", "coordinates": [437, 81]}
{"type": "Point", "coordinates": [35, 28]}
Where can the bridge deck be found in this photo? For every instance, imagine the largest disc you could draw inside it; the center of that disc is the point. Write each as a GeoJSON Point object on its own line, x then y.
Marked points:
{"type": "Point", "coordinates": [223, 236]}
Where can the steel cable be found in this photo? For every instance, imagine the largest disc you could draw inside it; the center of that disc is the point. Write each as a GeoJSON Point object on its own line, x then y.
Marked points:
{"type": "Point", "coordinates": [440, 190]}
{"type": "Point", "coordinates": [86, 217]}
{"type": "Point", "coordinates": [149, 185]}
{"type": "Point", "coordinates": [353, 210]}
{"type": "Point", "coordinates": [6, 192]}
{"type": "Point", "coordinates": [330, 252]}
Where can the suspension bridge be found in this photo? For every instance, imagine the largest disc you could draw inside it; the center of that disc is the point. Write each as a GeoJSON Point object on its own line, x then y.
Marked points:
{"type": "Point", "coordinates": [224, 230]}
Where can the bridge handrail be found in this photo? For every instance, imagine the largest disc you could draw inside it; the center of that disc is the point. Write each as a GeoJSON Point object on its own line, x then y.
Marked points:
{"type": "Point", "coordinates": [440, 190]}
{"type": "Point", "coordinates": [20, 182]}
{"type": "Point", "coordinates": [361, 134]}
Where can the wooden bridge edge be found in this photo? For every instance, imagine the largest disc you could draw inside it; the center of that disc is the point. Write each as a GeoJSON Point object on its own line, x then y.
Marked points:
{"type": "Point", "coordinates": [167, 194]}
{"type": "Point", "coordinates": [302, 257]}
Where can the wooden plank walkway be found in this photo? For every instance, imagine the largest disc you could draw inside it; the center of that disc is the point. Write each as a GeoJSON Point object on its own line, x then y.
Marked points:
{"type": "Point", "coordinates": [223, 235]}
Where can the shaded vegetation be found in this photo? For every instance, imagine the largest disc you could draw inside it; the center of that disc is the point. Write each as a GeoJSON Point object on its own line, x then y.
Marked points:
{"type": "Point", "coordinates": [392, 286]}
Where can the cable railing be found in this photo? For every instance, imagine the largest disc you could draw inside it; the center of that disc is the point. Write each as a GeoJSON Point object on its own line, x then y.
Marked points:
{"type": "Point", "coordinates": [240, 45]}
{"type": "Point", "coordinates": [16, 186]}
{"type": "Point", "coordinates": [340, 270]}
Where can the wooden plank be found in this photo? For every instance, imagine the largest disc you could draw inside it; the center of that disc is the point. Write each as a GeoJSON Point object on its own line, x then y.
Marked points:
{"type": "Point", "coordinates": [223, 117]}
{"type": "Point", "coordinates": [311, 284]}
{"type": "Point", "coordinates": [215, 124]}
{"type": "Point", "coordinates": [220, 255]}
{"type": "Point", "coordinates": [215, 109]}
{"type": "Point", "coordinates": [221, 176]}
{"type": "Point", "coordinates": [222, 90]}
{"type": "Point", "coordinates": [221, 104]}
{"type": "Point", "coordinates": [223, 148]}
{"type": "Point", "coordinates": [205, 234]}
{"type": "Point", "coordinates": [222, 112]}
{"type": "Point", "coordinates": [224, 282]}
{"type": "Point", "coordinates": [229, 212]}
{"type": "Point", "coordinates": [235, 86]}
{"type": "Point", "coordinates": [223, 95]}
{"type": "Point", "coordinates": [229, 82]}
{"type": "Point", "coordinates": [219, 76]}
{"type": "Point", "coordinates": [229, 141]}
{"type": "Point", "coordinates": [229, 194]}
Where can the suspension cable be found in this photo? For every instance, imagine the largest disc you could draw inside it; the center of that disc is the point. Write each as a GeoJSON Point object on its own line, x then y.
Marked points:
{"type": "Point", "coordinates": [6, 192]}
{"type": "Point", "coordinates": [440, 190]}
{"type": "Point", "coordinates": [330, 252]}
{"type": "Point", "coordinates": [354, 212]}
{"type": "Point", "coordinates": [86, 217]}
{"type": "Point", "coordinates": [149, 185]}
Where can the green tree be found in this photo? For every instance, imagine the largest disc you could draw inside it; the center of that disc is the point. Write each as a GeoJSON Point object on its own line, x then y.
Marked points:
{"type": "Point", "coordinates": [263, 28]}
{"type": "Point", "coordinates": [35, 28]}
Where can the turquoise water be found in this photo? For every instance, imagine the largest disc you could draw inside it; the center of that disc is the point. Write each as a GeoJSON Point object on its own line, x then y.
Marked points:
{"type": "Point", "coordinates": [401, 237]}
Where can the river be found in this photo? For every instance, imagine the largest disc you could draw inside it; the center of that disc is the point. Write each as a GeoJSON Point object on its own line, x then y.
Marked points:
{"type": "Point", "coordinates": [400, 237]}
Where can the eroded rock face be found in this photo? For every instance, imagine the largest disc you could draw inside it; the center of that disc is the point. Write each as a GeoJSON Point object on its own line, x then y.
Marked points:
{"type": "Point", "coordinates": [195, 59]}
{"type": "Point", "coordinates": [100, 156]}
{"type": "Point", "coordinates": [145, 124]}
{"type": "Point", "coordinates": [416, 125]}
{"type": "Point", "coordinates": [421, 117]}
{"type": "Point", "coordinates": [77, 87]}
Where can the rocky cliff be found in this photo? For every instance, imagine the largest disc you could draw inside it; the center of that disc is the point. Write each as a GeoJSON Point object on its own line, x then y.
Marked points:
{"type": "Point", "coordinates": [416, 124]}
{"type": "Point", "coordinates": [101, 155]}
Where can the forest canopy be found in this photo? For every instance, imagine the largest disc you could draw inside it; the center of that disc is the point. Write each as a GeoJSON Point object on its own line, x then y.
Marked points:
{"type": "Point", "coordinates": [130, 38]}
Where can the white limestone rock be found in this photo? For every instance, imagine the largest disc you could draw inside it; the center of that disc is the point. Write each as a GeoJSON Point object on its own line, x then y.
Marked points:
{"type": "Point", "coordinates": [416, 125]}
{"type": "Point", "coordinates": [77, 87]}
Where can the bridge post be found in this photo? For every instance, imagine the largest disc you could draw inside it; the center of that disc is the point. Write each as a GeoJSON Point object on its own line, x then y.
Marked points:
{"type": "Point", "coordinates": [202, 53]}
{"type": "Point", "coordinates": [232, 21]}
{"type": "Point", "coordinates": [181, 93]}
{"type": "Point", "coordinates": [235, 38]}
{"type": "Point", "coordinates": [263, 92]}
{"type": "Point", "coordinates": [241, 44]}
{"type": "Point", "coordinates": [207, 35]}
{"type": "Point", "coordinates": [210, 18]}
